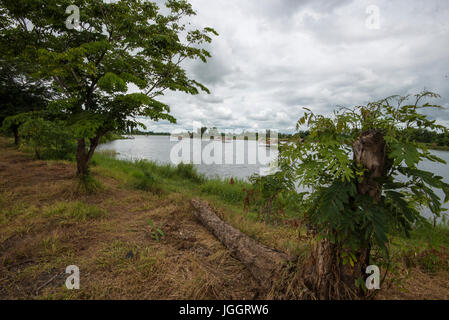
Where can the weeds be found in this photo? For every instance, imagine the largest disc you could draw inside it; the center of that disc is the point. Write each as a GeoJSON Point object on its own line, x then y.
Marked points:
{"type": "Point", "coordinates": [189, 172]}
{"type": "Point", "coordinates": [155, 232]}
{"type": "Point", "coordinates": [433, 260]}
{"type": "Point", "coordinates": [146, 181]}
{"type": "Point", "coordinates": [86, 184]}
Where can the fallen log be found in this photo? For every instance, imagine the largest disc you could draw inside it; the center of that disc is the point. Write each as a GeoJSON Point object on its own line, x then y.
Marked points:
{"type": "Point", "coordinates": [267, 265]}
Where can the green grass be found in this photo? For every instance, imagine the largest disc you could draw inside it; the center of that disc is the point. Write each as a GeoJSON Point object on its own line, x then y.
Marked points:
{"type": "Point", "coordinates": [156, 178]}
{"type": "Point", "coordinates": [232, 193]}
{"type": "Point", "coordinates": [426, 248]}
{"type": "Point", "coordinates": [148, 175]}
{"type": "Point", "coordinates": [78, 211]}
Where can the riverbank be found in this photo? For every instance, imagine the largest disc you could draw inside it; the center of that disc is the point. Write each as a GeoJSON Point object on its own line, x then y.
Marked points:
{"type": "Point", "coordinates": [113, 235]}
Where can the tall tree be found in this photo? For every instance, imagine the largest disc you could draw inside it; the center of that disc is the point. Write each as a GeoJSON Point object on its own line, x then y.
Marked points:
{"type": "Point", "coordinates": [117, 46]}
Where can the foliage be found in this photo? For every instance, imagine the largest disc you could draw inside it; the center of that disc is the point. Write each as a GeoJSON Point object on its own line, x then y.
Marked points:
{"type": "Point", "coordinates": [14, 121]}
{"type": "Point", "coordinates": [156, 231]}
{"type": "Point", "coordinates": [267, 189]}
{"type": "Point", "coordinates": [189, 172]}
{"type": "Point", "coordinates": [49, 139]}
{"type": "Point", "coordinates": [117, 45]}
{"type": "Point", "coordinates": [111, 136]}
{"type": "Point", "coordinates": [18, 92]}
{"type": "Point", "coordinates": [430, 137]}
{"type": "Point", "coordinates": [146, 181]}
{"type": "Point", "coordinates": [323, 164]}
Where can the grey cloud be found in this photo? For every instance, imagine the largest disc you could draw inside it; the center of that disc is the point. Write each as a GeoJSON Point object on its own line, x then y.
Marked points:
{"type": "Point", "coordinates": [274, 57]}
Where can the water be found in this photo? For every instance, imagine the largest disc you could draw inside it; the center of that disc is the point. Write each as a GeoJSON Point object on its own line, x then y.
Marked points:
{"type": "Point", "coordinates": [158, 148]}
{"type": "Point", "coordinates": [241, 162]}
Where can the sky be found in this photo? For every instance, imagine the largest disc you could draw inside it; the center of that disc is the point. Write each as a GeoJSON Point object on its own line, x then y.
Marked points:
{"type": "Point", "coordinates": [273, 58]}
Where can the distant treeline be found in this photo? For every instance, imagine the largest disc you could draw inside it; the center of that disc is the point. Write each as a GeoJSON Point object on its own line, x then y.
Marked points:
{"type": "Point", "coordinates": [433, 139]}
{"type": "Point", "coordinates": [214, 132]}
{"type": "Point", "coordinates": [149, 133]}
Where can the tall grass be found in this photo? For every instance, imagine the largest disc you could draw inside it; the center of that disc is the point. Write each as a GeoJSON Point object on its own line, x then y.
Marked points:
{"type": "Point", "coordinates": [147, 175]}
{"type": "Point", "coordinates": [227, 191]}
{"type": "Point", "coordinates": [151, 176]}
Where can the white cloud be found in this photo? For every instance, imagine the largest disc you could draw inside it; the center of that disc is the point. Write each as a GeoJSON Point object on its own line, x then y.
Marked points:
{"type": "Point", "coordinates": [274, 57]}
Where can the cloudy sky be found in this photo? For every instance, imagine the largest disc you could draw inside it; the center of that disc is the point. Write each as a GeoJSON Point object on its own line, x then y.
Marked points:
{"type": "Point", "coordinates": [272, 58]}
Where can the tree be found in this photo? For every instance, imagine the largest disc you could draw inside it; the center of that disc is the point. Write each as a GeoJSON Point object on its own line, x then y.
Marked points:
{"type": "Point", "coordinates": [350, 164]}
{"type": "Point", "coordinates": [116, 45]}
{"type": "Point", "coordinates": [50, 139]}
{"type": "Point", "coordinates": [267, 189]}
{"type": "Point", "coordinates": [18, 94]}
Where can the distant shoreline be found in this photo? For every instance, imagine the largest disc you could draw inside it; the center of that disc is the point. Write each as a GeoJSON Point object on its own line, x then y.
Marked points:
{"type": "Point", "coordinates": [124, 137]}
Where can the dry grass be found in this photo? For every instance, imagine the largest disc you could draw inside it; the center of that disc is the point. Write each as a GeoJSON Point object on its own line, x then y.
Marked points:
{"type": "Point", "coordinates": [45, 226]}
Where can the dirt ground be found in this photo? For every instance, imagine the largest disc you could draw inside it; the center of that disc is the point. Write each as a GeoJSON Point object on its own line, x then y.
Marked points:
{"type": "Point", "coordinates": [44, 229]}
{"type": "Point", "coordinates": [117, 255]}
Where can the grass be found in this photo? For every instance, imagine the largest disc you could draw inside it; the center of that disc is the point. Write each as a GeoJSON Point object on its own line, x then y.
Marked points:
{"type": "Point", "coordinates": [76, 210]}
{"type": "Point", "coordinates": [232, 193]}
{"type": "Point", "coordinates": [228, 196]}
{"type": "Point", "coordinates": [44, 227]}
{"type": "Point", "coordinates": [427, 249]}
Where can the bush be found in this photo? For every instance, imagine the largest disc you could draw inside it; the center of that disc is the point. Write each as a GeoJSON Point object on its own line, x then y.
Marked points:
{"type": "Point", "coordinates": [49, 139]}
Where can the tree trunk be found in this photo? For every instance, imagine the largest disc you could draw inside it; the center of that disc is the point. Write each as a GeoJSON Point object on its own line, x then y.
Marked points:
{"type": "Point", "coordinates": [84, 156]}
{"type": "Point", "coordinates": [15, 130]}
{"type": "Point", "coordinates": [326, 276]}
{"type": "Point", "coordinates": [264, 263]}
{"type": "Point", "coordinates": [370, 151]}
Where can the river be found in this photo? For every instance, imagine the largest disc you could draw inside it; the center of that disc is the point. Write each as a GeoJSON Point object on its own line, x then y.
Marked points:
{"type": "Point", "coordinates": [239, 159]}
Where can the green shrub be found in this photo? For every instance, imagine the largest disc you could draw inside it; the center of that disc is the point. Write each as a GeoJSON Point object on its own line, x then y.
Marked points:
{"type": "Point", "coordinates": [48, 139]}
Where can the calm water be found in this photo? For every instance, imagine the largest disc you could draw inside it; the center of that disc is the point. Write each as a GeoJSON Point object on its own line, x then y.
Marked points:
{"type": "Point", "coordinates": [241, 162]}
{"type": "Point", "coordinates": [239, 159]}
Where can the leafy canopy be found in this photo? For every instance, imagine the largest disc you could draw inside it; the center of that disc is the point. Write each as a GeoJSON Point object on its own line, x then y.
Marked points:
{"type": "Point", "coordinates": [19, 93]}
{"type": "Point", "coordinates": [118, 45]}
